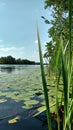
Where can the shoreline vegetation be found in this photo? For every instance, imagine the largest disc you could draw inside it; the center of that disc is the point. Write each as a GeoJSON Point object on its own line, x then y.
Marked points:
{"type": "Point", "coordinates": [12, 60]}
{"type": "Point", "coordinates": [60, 65]}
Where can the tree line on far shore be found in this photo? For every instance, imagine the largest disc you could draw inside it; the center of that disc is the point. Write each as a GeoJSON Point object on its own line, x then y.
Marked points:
{"type": "Point", "coordinates": [12, 60]}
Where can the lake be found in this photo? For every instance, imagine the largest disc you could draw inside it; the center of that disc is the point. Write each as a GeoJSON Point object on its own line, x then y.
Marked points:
{"type": "Point", "coordinates": [20, 88]}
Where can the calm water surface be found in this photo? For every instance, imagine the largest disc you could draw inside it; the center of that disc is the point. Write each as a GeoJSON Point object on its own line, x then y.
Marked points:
{"type": "Point", "coordinates": [19, 85]}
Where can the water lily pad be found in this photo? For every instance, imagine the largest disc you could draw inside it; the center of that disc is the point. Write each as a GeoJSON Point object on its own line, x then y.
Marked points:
{"type": "Point", "coordinates": [2, 100]}
{"type": "Point", "coordinates": [14, 120]}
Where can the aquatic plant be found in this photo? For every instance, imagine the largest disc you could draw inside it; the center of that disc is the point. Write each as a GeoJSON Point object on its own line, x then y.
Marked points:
{"type": "Point", "coordinates": [64, 71]}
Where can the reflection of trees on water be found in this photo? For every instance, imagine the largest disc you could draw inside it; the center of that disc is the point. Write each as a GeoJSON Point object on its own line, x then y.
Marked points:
{"type": "Point", "coordinates": [7, 69]}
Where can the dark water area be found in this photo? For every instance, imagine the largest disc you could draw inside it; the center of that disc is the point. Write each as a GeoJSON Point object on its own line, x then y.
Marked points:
{"type": "Point", "coordinates": [8, 68]}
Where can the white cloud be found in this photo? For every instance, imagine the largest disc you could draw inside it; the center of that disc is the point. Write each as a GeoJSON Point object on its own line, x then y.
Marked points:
{"type": "Point", "coordinates": [44, 43]}
{"type": "Point", "coordinates": [34, 56]}
{"type": "Point", "coordinates": [36, 41]}
{"type": "Point", "coordinates": [6, 49]}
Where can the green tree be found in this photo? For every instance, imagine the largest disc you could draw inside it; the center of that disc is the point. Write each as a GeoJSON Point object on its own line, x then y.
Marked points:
{"type": "Point", "coordinates": [18, 61]}
{"type": "Point", "coordinates": [60, 25]}
{"type": "Point", "coordinates": [10, 60]}
{"type": "Point", "coordinates": [2, 60]}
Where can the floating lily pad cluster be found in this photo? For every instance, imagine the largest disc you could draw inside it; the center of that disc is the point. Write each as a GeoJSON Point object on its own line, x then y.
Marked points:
{"type": "Point", "coordinates": [22, 85]}
{"type": "Point", "coordinates": [25, 85]}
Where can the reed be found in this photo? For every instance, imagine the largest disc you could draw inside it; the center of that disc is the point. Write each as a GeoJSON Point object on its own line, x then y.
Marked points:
{"type": "Point", "coordinates": [44, 83]}
{"type": "Point", "coordinates": [66, 72]}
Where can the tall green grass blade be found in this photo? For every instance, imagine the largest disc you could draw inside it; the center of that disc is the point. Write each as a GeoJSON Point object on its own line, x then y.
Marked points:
{"type": "Point", "coordinates": [58, 73]}
{"type": "Point", "coordinates": [70, 37]}
{"type": "Point", "coordinates": [57, 102]}
{"type": "Point", "coordinates": [70, 45]}
{"type": "Point", "coordinates": [44, 83]}
{"type": "Point", "coordinates": [70, 28]}
{"type": "Point", "coordinates": [65, 80]}
{"type": "Point", "coordinates": [67, 75]}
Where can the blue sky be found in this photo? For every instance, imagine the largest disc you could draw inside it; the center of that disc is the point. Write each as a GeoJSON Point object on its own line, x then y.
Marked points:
{"type": "Point", "coordinates": [18, 36]}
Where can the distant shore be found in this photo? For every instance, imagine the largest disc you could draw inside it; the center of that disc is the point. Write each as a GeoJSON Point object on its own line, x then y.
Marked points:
{"type": "Point", "coordinates": [12, 60]}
